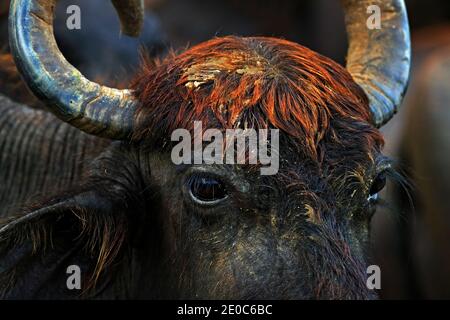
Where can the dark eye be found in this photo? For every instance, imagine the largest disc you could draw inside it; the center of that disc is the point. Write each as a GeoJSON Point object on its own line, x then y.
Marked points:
{"type": "Point", "coordinates": [206, 190]}
{"type": "Point", "coordinates": [377, 185]}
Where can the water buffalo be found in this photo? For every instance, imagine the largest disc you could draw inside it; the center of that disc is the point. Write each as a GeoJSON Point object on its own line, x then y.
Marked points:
{"type": "Point", "coordinates": [139, 226]}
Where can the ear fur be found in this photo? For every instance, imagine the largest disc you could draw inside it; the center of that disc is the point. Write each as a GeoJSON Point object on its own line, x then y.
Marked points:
{"type": "Point", "coordinates": [36, 249]}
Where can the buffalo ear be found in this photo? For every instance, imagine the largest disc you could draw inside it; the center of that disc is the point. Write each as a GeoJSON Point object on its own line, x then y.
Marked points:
{"type": "Point", "coordinates": [37, 248]}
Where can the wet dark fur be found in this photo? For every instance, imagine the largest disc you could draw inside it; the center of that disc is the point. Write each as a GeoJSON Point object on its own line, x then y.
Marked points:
{"type": "Point", "coordinates": [302, 233]}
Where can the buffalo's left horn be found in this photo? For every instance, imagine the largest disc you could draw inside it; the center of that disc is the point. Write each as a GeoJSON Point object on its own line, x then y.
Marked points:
{"type": "Point", "coordinates": [379, 56]}
{"type": "Point", "coordinates": [91, 107]}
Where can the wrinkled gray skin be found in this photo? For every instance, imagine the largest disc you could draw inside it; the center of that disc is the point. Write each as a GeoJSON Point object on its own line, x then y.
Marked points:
{"type": "Point", "coordinates": [39, 154]}
{"type": "Point", "coordinates": [57, 153]}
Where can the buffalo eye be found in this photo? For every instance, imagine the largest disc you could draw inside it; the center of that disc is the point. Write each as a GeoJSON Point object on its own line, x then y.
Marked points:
{"type": "Point", "coordinates": [377, 185]}
{"type": "Point", "coordinates": [206, 189]}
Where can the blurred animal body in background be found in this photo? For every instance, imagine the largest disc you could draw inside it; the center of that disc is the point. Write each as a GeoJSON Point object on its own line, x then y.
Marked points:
{"type": "Point", "coordinates": [412, 235]}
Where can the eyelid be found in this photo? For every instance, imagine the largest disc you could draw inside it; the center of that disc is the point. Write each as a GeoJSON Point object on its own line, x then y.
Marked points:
{"type": "Point", "coordinates": [383, 164]}
{"type": "Point", "coordinates": [196, 177]}
{"type": "Point", "coordinates": [232, 180]}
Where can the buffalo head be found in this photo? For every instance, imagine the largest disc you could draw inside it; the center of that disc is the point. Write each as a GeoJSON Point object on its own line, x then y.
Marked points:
{"type": "Point", "coordinates": [140, 225]}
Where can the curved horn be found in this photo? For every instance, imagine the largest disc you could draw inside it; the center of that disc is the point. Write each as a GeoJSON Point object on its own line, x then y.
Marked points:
{"type": "Point", "coordinates": [131, 14]}
{"type": "Point", "coordinates": [379, 59]}
{"type": "Point", "coordinates": [91, 107]}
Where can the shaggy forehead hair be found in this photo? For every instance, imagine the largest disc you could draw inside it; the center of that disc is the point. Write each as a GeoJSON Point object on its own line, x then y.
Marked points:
{"type": "Point", "coordinates": [257, 82]}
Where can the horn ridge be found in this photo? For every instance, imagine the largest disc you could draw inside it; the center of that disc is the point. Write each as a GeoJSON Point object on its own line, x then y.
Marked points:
{"type": "Point", "coordinates": [379, 59]}
{"type": "Point", "coordinates": [87, 105]}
